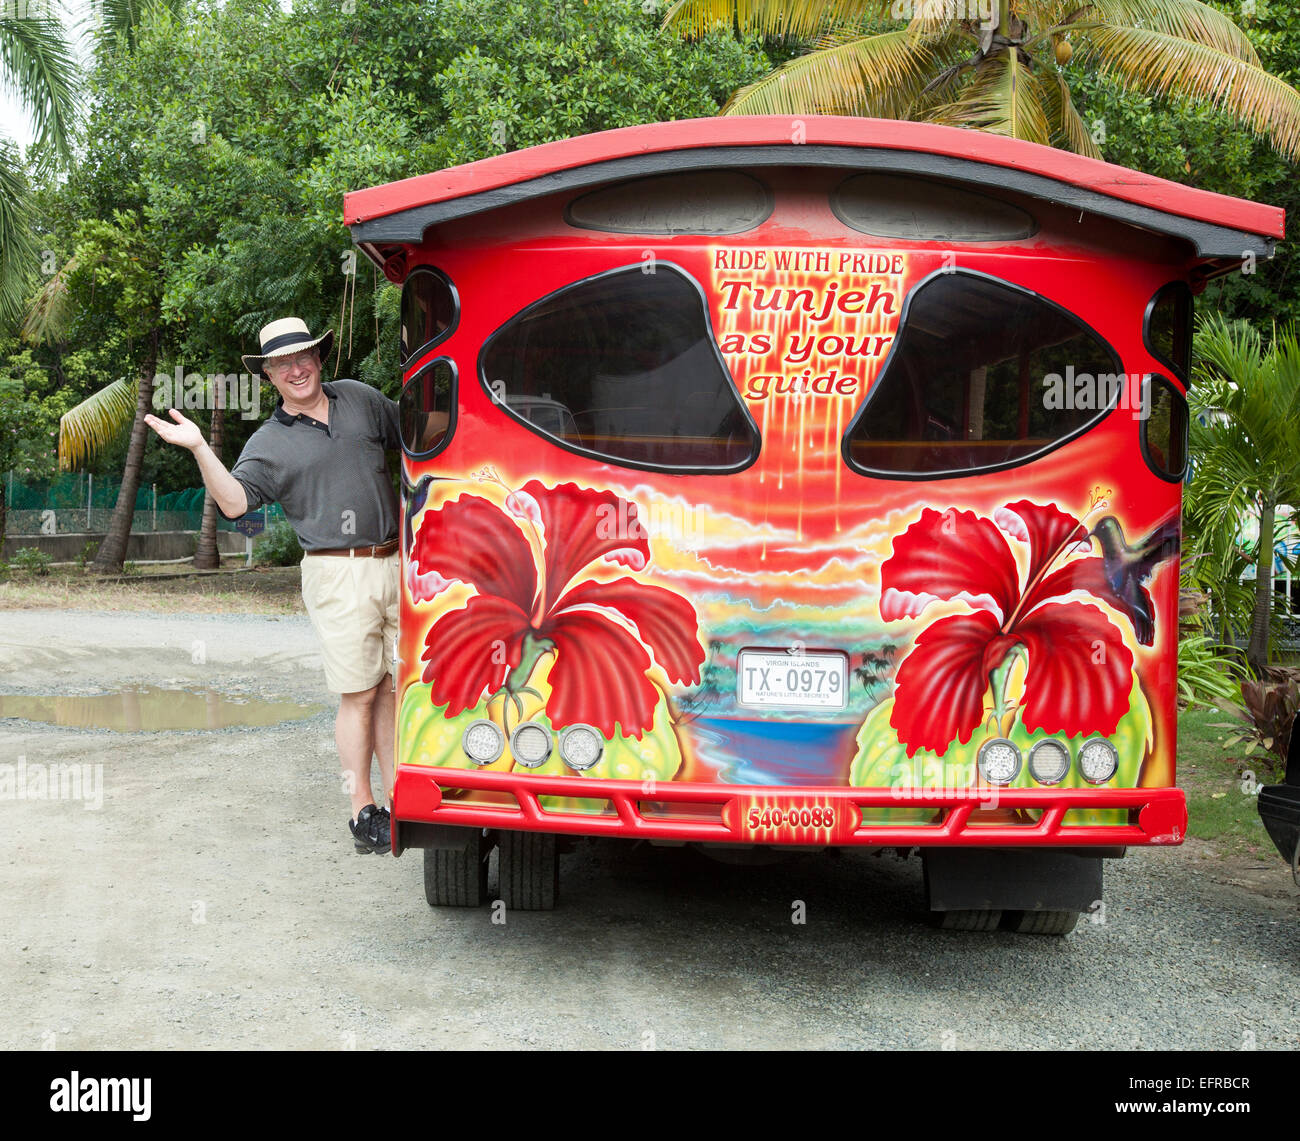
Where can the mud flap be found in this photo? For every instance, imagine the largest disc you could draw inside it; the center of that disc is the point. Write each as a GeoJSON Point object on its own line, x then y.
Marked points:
{"type": "Point", "coordinates": [1017, 879]}
{"type": "Point", "coordinates": [419, 834]}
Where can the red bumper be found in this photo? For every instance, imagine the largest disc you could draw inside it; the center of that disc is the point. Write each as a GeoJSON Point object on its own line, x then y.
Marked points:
{"type": "Point", "coordinates": [755, 814]}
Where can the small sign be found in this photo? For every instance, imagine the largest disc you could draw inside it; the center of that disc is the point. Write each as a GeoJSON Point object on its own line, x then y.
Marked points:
{"type": "Point", "coordinates": [254, 523]}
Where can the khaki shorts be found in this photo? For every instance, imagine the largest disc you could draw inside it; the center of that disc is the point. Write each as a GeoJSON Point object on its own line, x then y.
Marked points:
{"type": "Point", "coordinates": [353, 604]}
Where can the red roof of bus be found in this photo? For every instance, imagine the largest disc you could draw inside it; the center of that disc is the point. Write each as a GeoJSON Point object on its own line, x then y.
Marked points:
{"type": "Point", "coordinates": [772, 130]}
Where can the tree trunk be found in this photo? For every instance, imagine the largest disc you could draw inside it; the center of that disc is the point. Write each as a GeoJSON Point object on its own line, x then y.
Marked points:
{"type": "Point", "coordinates": [206, 556]}
{"type": "Point", "coordinates": [112, 551]}
{"type": "Point", "coordinates": [1257, 651]}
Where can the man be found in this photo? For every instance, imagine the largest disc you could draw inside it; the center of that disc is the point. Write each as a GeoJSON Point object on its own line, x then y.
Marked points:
{"type": "Point", "coordinates": [321, 457]}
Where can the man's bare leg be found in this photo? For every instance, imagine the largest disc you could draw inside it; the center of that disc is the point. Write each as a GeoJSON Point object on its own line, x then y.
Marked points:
{"type": "Point", "coordinates": [355, 737]}
{"type": "Point", "coordinates": [384, 730]}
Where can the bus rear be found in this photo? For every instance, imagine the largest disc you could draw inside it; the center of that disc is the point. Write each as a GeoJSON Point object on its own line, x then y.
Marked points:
{"type": "Point", "coordinates": [763, 494]}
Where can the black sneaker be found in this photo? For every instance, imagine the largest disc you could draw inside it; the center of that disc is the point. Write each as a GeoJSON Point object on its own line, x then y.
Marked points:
{"type": "Point", "coordinates": [370, 830]}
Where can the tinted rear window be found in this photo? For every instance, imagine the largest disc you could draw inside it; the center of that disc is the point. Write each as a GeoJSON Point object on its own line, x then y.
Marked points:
{"type": "Point", "coordinates": [982, 375]}
{"type": "Point", "coordinates": [623, 367]}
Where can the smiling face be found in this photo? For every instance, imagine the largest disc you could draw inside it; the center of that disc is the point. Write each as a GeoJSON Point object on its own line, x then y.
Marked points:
{"type": "Point", "coordinates": [296, 378]}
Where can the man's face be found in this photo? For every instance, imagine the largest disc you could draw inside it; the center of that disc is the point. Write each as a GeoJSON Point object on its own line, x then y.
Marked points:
{"type": "Point", "coordinates": [296, 377]}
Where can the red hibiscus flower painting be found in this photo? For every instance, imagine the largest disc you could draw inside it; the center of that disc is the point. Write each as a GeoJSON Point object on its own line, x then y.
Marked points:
{"type": "Point", "coordinates": [1078, 673]}
{"type": "Point", "coordinates": [524, 563]}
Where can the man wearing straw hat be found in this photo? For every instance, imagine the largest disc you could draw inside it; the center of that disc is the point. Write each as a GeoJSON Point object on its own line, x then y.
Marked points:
{"type": "Point", "coordinates": [321, 457]}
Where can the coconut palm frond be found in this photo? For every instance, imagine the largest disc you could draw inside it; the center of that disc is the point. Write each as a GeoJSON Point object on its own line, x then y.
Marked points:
{"type": "Point", "coordinates": [796, 19]}
{"type": "Point", "coordinates": [1004, 98]}
{"type": "Point", "coordinates": [49, 314]}
{"type": "Point", "coordinates": [17, 244]}
{"type": "Point", "coordinates": [1043, 14]}
{"type": "Point", "coordinates": [95, 422]}
{"type": "Point", "coordinates": [1068, 129]}
{"type": "Point", "coordinates": [38, 66]}
{"type": "Point", "coordinates": [880, 76]}
{"type": "Point", "coordinates": [932, 18]}
{"type": "Point", "coordinates": [1159, 63]}
{"type": "Point", "coordinates": [1185, 19]}
{"type": "Point", "coordinates": [111, 20]}
{"type": "Point", "coordinates": [1255, 397]}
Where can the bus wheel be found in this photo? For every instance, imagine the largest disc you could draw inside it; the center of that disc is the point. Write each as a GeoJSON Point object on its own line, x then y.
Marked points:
{"type": "Point", "coordinates": [457, 877]}
{"type": "Point", "coordinates": [982, 919]}
{"type": "Point", "coordinates": [529, 864]}
{"type": "Point", "coordinates": [1042, 922]}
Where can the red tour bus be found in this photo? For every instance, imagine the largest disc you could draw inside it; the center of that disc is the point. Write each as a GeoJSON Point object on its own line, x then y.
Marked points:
{"type": "Point", "coordinates": [795, 483]}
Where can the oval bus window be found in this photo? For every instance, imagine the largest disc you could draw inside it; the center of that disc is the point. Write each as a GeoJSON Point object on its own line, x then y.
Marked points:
{"type": "Point", "coordinates": [692, 202]}
{"type": "Point", "coordinates": [427, 408]}
{"type": "Point", "coordinates": [429, 310]}
{"type": "Point", "coordinates": [623, 367]}
{"type": "Point", "coordinates": [1164, 429]}
{"type": "Point", "coordinates": [982, 375]}
{"type": "Point", "coordinates": [1168, 327]}
{"type": "Point", "coordinates": [918, 210]}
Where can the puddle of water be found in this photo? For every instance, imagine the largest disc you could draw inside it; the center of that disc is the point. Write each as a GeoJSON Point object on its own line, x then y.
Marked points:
{"type": "Point", "coordinates": [148, 708]}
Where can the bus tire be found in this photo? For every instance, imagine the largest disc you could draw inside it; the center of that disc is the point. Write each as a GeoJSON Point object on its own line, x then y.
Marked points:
{"type": "Point", "coordinates": [529, 865]}
{"type": "Point", "coordinates": [457, 877]}
{"type": "Point", "coordinates": [978, 919]}
{"type": "Point", "coordinates": [1042, 922]}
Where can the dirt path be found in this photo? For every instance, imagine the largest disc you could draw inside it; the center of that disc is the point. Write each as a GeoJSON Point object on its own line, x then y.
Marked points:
{"type": "Point", "coordinates": [214, 901]}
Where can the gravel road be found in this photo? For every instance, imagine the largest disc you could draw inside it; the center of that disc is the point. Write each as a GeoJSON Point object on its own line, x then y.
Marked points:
{"type": "Point", "coordinates": [214, 901]}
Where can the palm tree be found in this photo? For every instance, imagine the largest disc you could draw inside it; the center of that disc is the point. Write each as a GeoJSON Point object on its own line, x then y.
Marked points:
{"type": "Point", "coordinates": [37, 65]}
{"type": "Point", "coordinates": [206, 555]}
{"type": "Point", "coordinates": [93, 422]}
{"type": "Point", "coordinates": [1246, 405]}
{"type": "Point", "coordinates": [1004, 74]}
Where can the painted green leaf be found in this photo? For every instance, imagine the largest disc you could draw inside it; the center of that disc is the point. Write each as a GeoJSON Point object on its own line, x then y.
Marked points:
{"type": "Point", "coordinates": [428, 737]}
{"type": "Point", "coordinates": [882, 761]}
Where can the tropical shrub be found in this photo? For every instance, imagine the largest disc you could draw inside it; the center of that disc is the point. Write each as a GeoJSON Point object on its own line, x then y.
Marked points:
{"type": "Point", "coordinates": [278, 547]}
{"type": "Point", "coordinates": [32, 560]}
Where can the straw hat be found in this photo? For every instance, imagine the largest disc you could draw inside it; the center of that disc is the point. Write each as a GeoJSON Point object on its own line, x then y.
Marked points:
{"type": "Point", "coordinates": [285, 338]}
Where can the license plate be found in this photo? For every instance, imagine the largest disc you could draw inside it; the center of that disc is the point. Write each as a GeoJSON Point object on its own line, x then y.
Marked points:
{"type": "Point", "coordinates": [791, 820]}
{"type": "Point", "coordinates": [807, 680]}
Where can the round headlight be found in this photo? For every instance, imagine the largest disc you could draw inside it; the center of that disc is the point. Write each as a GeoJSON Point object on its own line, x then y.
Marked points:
{"type": "Point", "coordinates": [999, 761]}
{"type": "Point", "coordinates": [1049, 761]}
{"type": "Point", "coordinates": [531, 744]}
{"type": "Point", "coordinates": [1098, 760]}
{"type": "Point", "coordinates": [581, 746]}
{"type": "Point", "coordinates": [483, 742]}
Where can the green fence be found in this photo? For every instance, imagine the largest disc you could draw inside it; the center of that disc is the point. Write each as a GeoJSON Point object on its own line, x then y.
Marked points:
{"type": "Point", "coordinates": [77, 502]}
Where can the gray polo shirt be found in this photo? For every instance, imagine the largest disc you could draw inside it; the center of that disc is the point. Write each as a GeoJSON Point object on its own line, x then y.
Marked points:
{"type": "Point", "coordinates": [331, 479]}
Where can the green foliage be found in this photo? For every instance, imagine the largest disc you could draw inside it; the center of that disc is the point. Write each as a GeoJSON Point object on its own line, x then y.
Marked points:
{"type": "Point", "coordinates": [28, 423]}
{"type": "Point", "coordinates": [37, 66]}
{"type": "Point", "coordinates": [523, 74]}
{"type": "Point", "coordinates": [87, 554]}
{"type": "Point", "coordinates": [1207, 671]}
{"type": "Point", "coordinates": [31, 560]}
{"type": "Point", "coordinates": [1246, 420]}
{"type": "Point", "coordinates": [278, 546]}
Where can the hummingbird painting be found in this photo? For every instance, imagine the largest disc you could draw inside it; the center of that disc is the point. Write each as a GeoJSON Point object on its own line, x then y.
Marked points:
{"type": "Point", "coordinates": [1128, 568]}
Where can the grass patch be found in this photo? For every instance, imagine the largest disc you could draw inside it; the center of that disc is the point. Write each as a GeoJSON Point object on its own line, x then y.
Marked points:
{"type": "Point", "coordinates": [272, 590]}
{"type": "Point", "coordinates": [1219, 807]}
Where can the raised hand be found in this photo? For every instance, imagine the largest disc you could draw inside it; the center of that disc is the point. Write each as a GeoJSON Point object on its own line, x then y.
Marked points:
{"type": "Point", "coordinates": [184, 433]}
